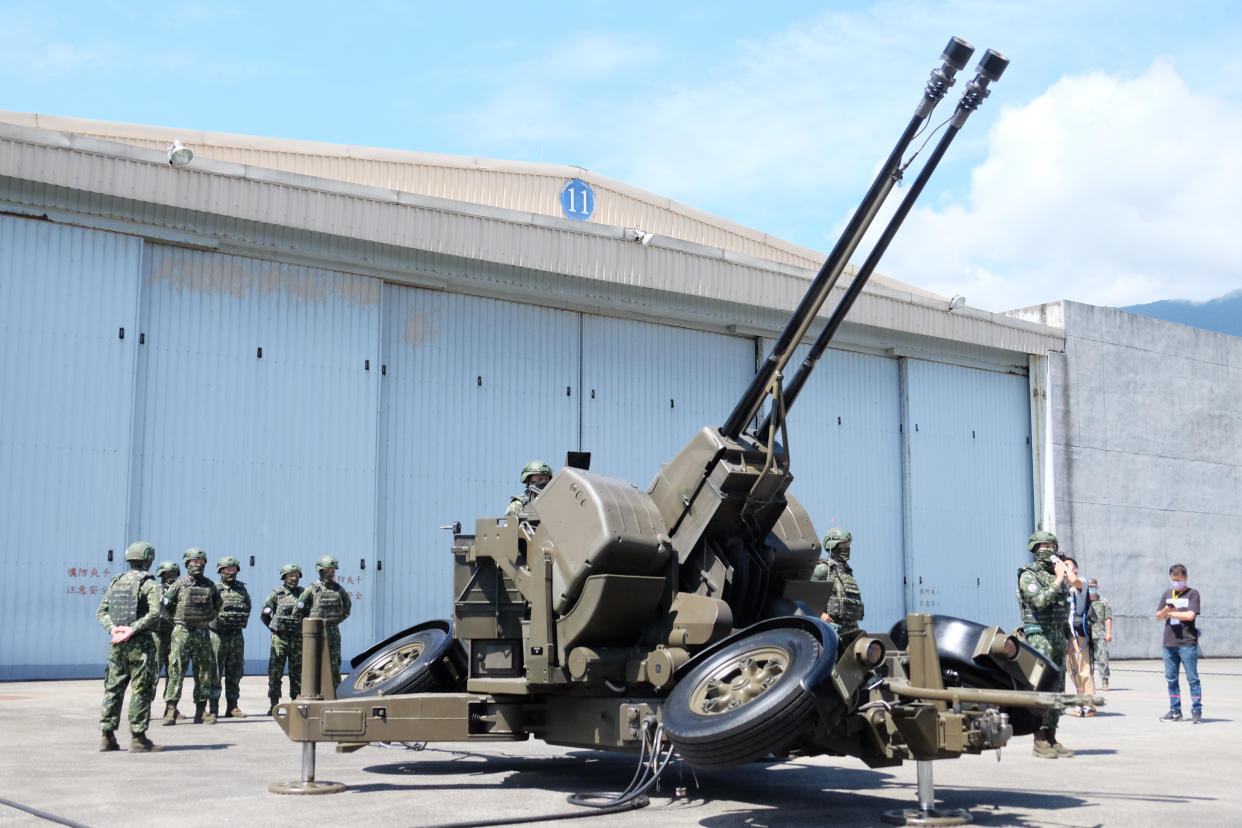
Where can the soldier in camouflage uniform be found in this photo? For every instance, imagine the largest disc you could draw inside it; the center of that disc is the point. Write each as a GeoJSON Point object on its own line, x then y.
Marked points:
{"type": "Point", "coordinates": [228, 626]}
{"type": "Point", "coordinates": [279, 616]}
{"type": "Point", "coordinates": [1100, 619]}
{"type": "Point", "coordinates": [167, 572]}
{"type": "Point", "coordinates": [845, 604]}
{"type": "Point", "coordinates": [129, 611]}
{"type": "Point", "coordinates": [326, 599]}
{"type": "Point", "coordinates": [535, 475]}
{"type": "Point", "coordinates": [1042, 592]}
{"type": "Point", "coordinates": [193, 603]}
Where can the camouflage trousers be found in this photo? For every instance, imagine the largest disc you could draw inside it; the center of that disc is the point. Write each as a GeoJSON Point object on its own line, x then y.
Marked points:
{"type": "Point", "coordinates": [192, 647]}
{"type": "Point", "coordinates": [163, 646]}
{"type": "Point", "coordinates": [333, 634]}
{"type": "Point", "coordinates": [231, 662]}
{"type": "Point", "coordinates": [130, 663]}
{"type": "Point", "coordinates": [1052, 646]}
{"type": "Point", "coordinates": [1099, 657]}
{"type": "Point", "coordinates": [286, 649]}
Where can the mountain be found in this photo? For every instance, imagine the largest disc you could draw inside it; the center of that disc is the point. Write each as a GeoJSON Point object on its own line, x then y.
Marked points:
{"type": "Point", "coordinates": [1222, 314]}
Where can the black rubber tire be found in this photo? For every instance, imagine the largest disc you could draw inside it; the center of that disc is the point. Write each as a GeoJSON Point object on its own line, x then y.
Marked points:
{"type": "Point", "coordinates": [403, 666]}
{"type": "Point", "coordinates": [770, 720]}
{"type": "Point", "coordinates": [955, 642]}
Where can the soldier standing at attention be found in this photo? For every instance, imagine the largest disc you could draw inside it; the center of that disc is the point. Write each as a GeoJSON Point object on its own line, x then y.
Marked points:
{"type": "Point", "coordinates": [535, 475]}
{"type": "Point", "coordinates": [129, 611]}
{"type": "Point", "coordinates": [326, 599]}
{"type": "Point", "coordinates": [845, 604]}
{"type": "Point", "coordinates": [279, 616]}
{"type": "Point", "coordinates": [229, 624]}
{"type": "Point", "coordinates": [1043, 592]}
{"type": "Point", "coordinates": [167, 572]}
{"type": "Point", "coordinates": [1100, 620]}
{"type": "Point", "coordinates": [193, 603]}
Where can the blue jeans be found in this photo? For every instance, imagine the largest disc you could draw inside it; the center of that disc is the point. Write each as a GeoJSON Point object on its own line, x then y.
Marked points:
{"type": "Point", "coordinates": [1187, 657]}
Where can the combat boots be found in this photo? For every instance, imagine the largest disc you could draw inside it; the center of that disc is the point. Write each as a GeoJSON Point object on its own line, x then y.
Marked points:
{"type": "Point", "coordinates": [232, 711]}
{"type": "Point", "coordinates": [170, 714]}
{"type": "Point", "coordinates": [108, 741]}
{"type": "Point", "coordinates": [199, 707]}
{"type": "Point", "coordinates": [213, 710]}
{"type": "Point", "coordinates": [1062, 751]}
{"type": "Point", "coordinates": [1043, 746]}
{"type": "Point", "coordinates": [139, 743]}
{"type": "Point", "coordinates": [271, 709]}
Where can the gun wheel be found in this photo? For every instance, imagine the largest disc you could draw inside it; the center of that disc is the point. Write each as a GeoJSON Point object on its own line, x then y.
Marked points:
{"type": "Point", "coordinates": [745, 700]}
{"type": "Point", "coordinates": [411, 664]}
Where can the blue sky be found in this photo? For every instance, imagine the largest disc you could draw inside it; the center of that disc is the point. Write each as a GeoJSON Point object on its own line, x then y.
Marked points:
{"type": "Point", "coordinates": [1104, 167]}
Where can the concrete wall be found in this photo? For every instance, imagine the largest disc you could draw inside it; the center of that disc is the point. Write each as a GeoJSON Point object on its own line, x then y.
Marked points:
{"type": "Point", "coordinates": [1147, 454]}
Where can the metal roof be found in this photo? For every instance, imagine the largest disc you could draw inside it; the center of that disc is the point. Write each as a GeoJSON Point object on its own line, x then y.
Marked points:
{"type": "Point", "coordinates": [525, 254]}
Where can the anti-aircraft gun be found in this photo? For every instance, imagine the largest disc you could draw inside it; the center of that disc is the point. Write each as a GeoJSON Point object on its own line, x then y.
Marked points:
{"type": "Point", "coordinates": [602, 608]}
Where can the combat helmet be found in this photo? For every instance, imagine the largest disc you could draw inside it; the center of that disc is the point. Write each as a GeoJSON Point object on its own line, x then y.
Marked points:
{"type": "Point", "coordinates": [167, 566]}
{"type": "Point", "coordinates": [326, 562]}
{"type": "Point", "coordinates": [1040, 537]}
{"type": "Point", "coordinates": [289, 569]}
{"type": "Point", "coordinates": [228, 560]}
{"type": "Point", "coordinates": [535, 467]}
{"type": "Point", "coordinates": [192, 554]}
{"type": "Point", "coordinates": [836, 536]}
{"type": "Point", "coordinates": [140, 551]}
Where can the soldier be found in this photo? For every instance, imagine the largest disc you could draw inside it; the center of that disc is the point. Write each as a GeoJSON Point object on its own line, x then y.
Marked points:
{"type": "Point", "coordinates": [1100, 620]}
{"type": "Point", "coordinates": [326, 599]}
{"type": "Point", "coordinates": [845, 604]}
{"type": "Point", "coordinates": [167, 572]}
{"type": "Point", "coordinates": [535, 475]}
{"type": "Point", "coordinates": [1043, 590]}
{"type": "Point", "coordinates": [279, 616]}
{"type": "Point", "coordinates": [193, 603]}
{"type": "Point", "coordinates": [129, 611]}
{"type": "Point", "coordinates": [229, 624]}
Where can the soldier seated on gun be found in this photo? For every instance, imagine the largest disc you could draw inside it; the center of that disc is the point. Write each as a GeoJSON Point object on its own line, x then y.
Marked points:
{"type": "Point", "coordinates": [535, 475]}
{"type": "Point", "coordinates": [845, 604]}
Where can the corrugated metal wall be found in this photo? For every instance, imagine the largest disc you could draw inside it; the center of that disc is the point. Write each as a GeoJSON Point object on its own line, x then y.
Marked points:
{"type": "Point", "coordinates": [648, 389]}
{"type": "Point", "coordinates": [66, 396]}
{"type": "Point", "coordinates": [259, 389]}
{"type": "Point", "coordinates": [845, 450]}
{"type": "Point", "coordinates": [473, 390]}
{"type": "Point", "coordinates": [969, 474]}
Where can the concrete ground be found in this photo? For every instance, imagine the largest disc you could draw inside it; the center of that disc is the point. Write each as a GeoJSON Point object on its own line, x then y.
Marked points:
{"type": "Point", "coordinates": [1131, 770]}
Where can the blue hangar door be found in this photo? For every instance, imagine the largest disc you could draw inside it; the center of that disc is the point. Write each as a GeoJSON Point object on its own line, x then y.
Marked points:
{"type": "Point", "coordinates": [472, 390]}
{"type": "Point", "coordinates": [845, 456]}
{"type": "Point", "coordinates": [68, 340]}
{"type": "Point", "coordinates": [258, 395]}
{"type": "Point", "coordinates": [970, 507]}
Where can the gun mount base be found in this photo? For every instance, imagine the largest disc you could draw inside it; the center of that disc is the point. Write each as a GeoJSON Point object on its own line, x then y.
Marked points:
{"type": "Point", "coordinates": [926, 813]}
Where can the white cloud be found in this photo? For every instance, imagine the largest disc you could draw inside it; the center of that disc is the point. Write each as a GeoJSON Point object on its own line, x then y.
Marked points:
{"type": "Point", "coordinates": [1105, 190]}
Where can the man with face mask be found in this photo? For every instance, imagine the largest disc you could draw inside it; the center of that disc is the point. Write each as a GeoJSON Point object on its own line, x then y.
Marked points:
{"type": "Point", "coordinates": [280, 616]}
{"type": "Point", "coordinates": [845, 604]}
{"type": "Point", "coordinates": [167, 572]}
{"type": "Point", "coordinates": [535, 475]}
{"type": "Point", "coordinates": [229, 625]}
{"type": "Point", "coordinates": [1078, 646]}
{"type": "Point", "coordinates": [193, 603]}
{"type": "Point", "coordinates": [1179, 610]}
{"type": "Point", "coordinates": [328, 600]}
{"type": "Point", "coordinates": [1043, 593]}
{"type": "Point", "coordinates": [1100, 623]}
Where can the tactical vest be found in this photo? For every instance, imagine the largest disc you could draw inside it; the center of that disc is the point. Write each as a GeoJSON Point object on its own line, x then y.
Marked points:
{"type": "Point", "coordinates": [283, 621]}
{"type": "Point", "coordinates": [195, 608]}
{"type": "Point", "coordinates": [164, 624]}
{"type": "Point", "coordinates": [234, 607]}
{"type": "Point", "coordinates": [328, 603]}
{"type": "Point", "coordinates": [124, 594]}
{"type": "Point", "coordinates": [846, 604]}
{"type": "Point", "coordinates": [1053, 618]}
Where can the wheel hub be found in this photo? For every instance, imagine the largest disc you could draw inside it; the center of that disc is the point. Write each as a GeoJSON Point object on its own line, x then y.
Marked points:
{"type": "Point", "coordinates": [389, 666]}
{"type": "Point", "coordinates": [739, 681]}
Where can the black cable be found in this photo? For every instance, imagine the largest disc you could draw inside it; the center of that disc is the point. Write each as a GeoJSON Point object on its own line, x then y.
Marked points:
{"type": "Point", "coordinates": [41, 814]}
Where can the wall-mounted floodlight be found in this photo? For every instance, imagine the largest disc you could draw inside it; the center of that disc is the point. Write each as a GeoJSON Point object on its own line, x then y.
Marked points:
{"type": "Point", "coordinates": [956, 301]}
{"type": "Point", "coordinates": [179, 155]}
